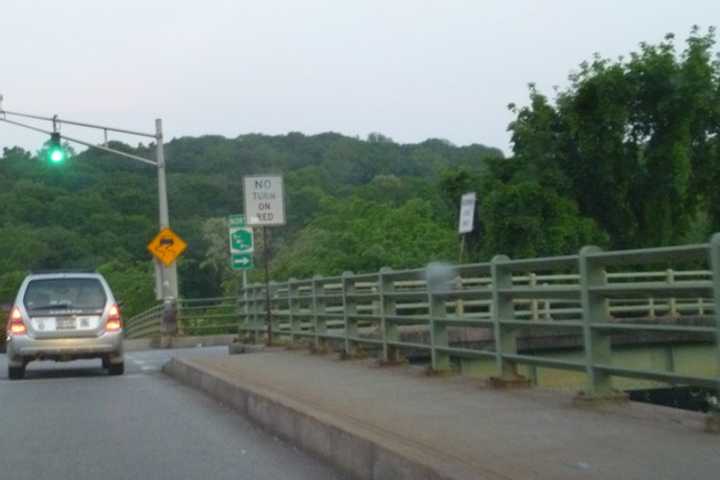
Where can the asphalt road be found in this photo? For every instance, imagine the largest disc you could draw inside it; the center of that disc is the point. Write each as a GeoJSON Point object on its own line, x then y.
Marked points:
{"type": "Point", "coordinates": [73, 421]}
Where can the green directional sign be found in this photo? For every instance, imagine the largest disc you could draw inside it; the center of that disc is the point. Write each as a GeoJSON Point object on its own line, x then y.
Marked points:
{"type": "Point", "coordinates": [241, 239]}
{"type": "Point", "coordinates": [242, 261]}
{"type": "Point", "coordinates": [236, 221]}
{"type": "Point", "coordinates": [241, 243]}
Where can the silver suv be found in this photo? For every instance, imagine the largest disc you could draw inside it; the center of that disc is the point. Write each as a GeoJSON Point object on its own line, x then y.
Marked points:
{"type": "Point", "coordinates": [63, 317]}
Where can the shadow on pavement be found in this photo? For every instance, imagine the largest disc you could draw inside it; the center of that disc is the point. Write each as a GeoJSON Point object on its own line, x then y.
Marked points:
{"type": "Point", "coordinates": [41, 372]}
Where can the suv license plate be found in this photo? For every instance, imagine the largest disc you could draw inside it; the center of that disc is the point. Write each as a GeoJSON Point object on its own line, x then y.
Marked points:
{"type": "Point", "coordinates": [65, 324]}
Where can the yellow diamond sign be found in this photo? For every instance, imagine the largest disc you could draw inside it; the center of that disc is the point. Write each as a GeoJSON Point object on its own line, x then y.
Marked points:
{"type": "Point", "coordinates": [167, 246]}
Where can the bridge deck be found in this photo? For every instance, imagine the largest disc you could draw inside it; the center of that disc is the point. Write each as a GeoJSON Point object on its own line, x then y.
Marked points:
{"type": "Point", "coordinates": [485, 433]}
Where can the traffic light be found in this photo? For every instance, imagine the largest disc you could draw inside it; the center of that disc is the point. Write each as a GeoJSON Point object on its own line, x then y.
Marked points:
{"type": "Point", "coordinates": [55, 151]}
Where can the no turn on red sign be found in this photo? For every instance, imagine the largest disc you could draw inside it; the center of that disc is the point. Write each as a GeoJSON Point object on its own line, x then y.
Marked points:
{"type": "Point", "coordinates": [264, 200]}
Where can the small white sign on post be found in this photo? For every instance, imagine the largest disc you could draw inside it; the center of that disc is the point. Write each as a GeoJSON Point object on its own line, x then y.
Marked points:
{"type": "Point", "coordinates": [264, 200]}
{"type": "Point", "coordinates": [467, 213]}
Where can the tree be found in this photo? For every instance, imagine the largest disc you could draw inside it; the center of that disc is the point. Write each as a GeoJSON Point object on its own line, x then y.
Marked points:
{"type": "Point", "coordinates": [101, 211]}
{"type": "Point", "coordinates": [131, 283]}
{"type": "Point", "coordinates": [633, 141]}
{"type": "Point", "coordinates": [363, 236]}
{"type": "Point", "coordinates": [525, 220]}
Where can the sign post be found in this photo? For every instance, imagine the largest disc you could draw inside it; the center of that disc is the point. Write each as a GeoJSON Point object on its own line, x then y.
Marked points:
{"type": "Point", "coordinates": [242, 248]}
{"type": "Point", "coordinates": [265, 207]}
{"type": "Point", "coordinates": [467, 220]}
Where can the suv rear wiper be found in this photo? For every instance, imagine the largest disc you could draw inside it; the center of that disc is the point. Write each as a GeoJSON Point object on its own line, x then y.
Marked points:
{"type": "Point", "coordinates": [52, 307]}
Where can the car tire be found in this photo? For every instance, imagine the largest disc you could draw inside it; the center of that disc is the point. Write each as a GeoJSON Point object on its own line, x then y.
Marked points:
{"type": "Point", "coordinates": [117, 368]}
{"type": "Point", "coordinates": [16, 373]}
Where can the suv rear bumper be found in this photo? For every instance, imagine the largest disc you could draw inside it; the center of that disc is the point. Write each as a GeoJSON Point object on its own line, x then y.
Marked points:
{"type": "Point", "coordinates": [24, 348]}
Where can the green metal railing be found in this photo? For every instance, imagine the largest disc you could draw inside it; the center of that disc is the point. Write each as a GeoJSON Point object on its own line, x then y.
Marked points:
{"type": "Point", "coordinates": [594, 295]}
{"type": "Point", "coordinates": [145, 324]}
{"type": "Point", "coordinates": [482, 312]}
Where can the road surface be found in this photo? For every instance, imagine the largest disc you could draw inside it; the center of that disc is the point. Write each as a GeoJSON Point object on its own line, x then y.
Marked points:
{"type": "Point", "coordinates": [73, 421]}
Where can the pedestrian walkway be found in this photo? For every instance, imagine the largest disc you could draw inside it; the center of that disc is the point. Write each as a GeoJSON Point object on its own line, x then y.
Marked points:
{"type": "Point", "coordinates": [465, 427]}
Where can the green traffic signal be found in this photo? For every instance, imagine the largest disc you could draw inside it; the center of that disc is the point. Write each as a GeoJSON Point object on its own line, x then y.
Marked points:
{"type": "Point", "coordinates": [55, 151]}
{"type": "Point", "coordinates": [57, 155]}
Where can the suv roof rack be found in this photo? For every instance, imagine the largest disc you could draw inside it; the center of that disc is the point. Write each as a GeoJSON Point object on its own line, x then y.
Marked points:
{"type": "Point", "coordinates": [62, 270]}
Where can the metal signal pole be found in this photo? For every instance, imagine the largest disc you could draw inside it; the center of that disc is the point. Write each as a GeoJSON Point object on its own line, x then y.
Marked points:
{"type": "Point", "coordinates": [166, 277]}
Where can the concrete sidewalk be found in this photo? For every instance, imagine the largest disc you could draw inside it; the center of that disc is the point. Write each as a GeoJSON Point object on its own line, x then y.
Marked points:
{"type": "Point", "coordinates": [398, 423]}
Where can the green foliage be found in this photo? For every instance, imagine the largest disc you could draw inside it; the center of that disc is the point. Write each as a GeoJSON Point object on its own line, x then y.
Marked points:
{"type": "Point", "coordinates": [526, 220]}
{"type": "Point", "coordinates": [634, 142]}
{"type": "Point", "coordinates": [132, 284]}
{"type": "Point", "coordinates": [9, 284]}
{"type": "Point", "coordinates": [362, 236]}
{"type": "Point", "coordinates": [99, 211]}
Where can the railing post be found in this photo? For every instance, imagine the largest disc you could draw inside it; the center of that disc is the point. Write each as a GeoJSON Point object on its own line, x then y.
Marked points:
{"type": "Point", "coordinates": [459, 304]}
{"type": "Point", "coordinates": [673, 301]}
{"type": "Point", "coordinates": [596, 343]}
{"type": "Point", "coordinates": [534, 311]}
{"type": "Point", "coordinates": [503, 309]}
{"type": "Point", "coordinates": [608, 307]}
{"type": "Point", "coordinates": [318, 309]}
{"type": "Point", "coordinates": [293, 308]}
{"type": "Point", "coordinates": [547, 307]}
{"type": "Point", "coordinates": [349, 310]}
{"type": "Point", "coordinates": [388, 327]}
{"type": "Point", "coordinates": [273, 320]}
{"type": "Point", "coordinates": [437, 308]}
{"type": "Point", "coordinates": [713, 421]}
{"type": "Point", "coordinates": [651, 306]}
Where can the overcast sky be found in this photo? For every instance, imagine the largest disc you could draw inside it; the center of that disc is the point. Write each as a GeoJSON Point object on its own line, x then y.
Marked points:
{"type": "Point", "coordinates": [410, 69]}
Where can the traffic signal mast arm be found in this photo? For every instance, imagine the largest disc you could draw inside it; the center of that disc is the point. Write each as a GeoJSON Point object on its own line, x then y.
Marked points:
{"type": "Point", "coordinates": [4, 113]}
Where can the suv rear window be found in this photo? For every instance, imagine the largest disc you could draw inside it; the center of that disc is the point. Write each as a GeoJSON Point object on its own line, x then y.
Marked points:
{"type": "Point", "coordinates": [70, 293]}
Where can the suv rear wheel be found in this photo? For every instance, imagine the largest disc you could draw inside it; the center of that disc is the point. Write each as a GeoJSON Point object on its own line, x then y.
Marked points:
{"type": "Point", "coordinates": [117, 368]}
{"type": "Point", "coordinates": [16, 373]}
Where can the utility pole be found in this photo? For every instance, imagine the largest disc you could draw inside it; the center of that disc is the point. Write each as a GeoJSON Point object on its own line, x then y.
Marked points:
{"type": "Point", "coordinates": [168, 275]}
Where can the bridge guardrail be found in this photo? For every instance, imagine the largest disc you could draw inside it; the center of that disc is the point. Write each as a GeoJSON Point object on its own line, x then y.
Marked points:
{"type": "Point", "coordinates": [592, 295]}
{"type": "Point", "coordinates": [145, 324]}
{"type": "Point", "coordinates": [595, 296]}
{"type": "Point", "coordinates": [208, 316]}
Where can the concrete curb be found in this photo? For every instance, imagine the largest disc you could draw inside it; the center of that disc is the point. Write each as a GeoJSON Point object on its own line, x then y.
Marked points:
{"type": "Point", "coordinates": [138, 344]}
{"type": "Point", "coordinates": [357, 449]}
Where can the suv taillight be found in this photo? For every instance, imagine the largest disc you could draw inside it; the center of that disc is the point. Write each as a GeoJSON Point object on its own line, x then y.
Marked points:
{"type": "Point", "coordinates": [114, 321]}
{"type": "Point", "coordinates": [15, 325]}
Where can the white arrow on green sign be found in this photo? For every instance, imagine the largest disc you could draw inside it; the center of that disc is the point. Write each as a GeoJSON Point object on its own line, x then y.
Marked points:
{"type": "Point", "coordinates": [242, 261]}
